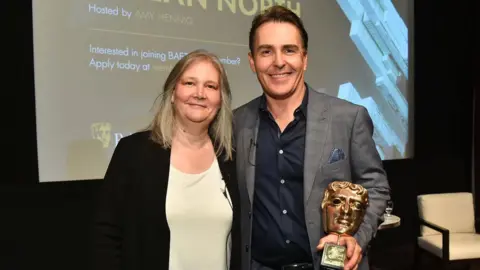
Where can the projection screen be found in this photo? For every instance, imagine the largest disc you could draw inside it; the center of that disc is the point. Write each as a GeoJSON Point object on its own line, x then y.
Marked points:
{"type": "Point", "coordinates": [100, 64]}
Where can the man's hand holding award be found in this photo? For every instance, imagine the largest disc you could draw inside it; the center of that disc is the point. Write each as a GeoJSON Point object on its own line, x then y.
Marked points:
{"type": "Point", "coordinates": [343, 209]}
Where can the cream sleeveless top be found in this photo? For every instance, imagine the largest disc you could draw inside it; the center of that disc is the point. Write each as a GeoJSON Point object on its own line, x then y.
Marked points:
{"type": "Point", "coordinates": [199, 215]}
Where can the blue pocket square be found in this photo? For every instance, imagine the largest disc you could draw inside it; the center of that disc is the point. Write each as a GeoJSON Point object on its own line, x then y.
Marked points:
{"type": "Point", "coordinates": [336, 155]}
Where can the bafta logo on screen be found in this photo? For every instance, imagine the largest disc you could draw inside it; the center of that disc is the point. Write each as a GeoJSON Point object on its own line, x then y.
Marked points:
{"type": "Point", "coordinates": [102, 131]}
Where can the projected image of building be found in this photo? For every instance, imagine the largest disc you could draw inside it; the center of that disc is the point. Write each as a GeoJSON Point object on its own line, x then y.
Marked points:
{"type": "Point", "coordinates": [387, 141]}
{"type": "Point", "coordinates": [381, 36]}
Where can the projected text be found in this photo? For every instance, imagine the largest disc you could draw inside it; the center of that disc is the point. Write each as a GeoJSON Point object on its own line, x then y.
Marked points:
{"type": "Point", "coordinates": [245, 7]}
{"type": "Point", "coordinates": [136, 56]}
{"type": "Point", "coordinates": [111, 11]}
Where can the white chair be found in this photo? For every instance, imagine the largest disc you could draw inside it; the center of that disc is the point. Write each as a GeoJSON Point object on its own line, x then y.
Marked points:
{"type": "Point", "coordinates": [447, 227]}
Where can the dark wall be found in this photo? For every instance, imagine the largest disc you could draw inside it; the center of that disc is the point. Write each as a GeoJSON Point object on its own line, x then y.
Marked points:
{"type": "Point", "coordinates": [45, 225]}
{"type": "Point", "coordinates": [443, 96]}
{"type": "Point", "coordinates": [443, 113]}
{"type": "Point", "coordinates": [476, 169]}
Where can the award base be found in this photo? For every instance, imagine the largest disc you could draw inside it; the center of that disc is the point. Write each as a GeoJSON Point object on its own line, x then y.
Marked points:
{"type": "Point", "coordinates": [333, 256]}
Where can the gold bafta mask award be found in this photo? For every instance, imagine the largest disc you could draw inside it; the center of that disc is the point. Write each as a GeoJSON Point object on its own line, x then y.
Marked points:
{"type": "Point", "coordinates": [343, 209]}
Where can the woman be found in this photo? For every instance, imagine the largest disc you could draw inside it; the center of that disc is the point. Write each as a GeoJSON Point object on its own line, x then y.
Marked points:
{"type": "Point", "coordinates": [170, 198]}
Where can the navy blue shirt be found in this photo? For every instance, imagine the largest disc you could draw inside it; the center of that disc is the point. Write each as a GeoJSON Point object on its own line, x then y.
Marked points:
{"type": "Point", "coordinates": [279, 234]}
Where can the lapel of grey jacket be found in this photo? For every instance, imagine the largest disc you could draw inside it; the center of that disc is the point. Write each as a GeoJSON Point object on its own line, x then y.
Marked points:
{"type": "Point", "coordinates": [316, 135]}
{"type": "Point", "coordinates": [249, 135]}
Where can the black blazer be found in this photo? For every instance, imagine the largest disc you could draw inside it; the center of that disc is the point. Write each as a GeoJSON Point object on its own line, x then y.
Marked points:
{"type": "Point", "coordinates": [130, 229]}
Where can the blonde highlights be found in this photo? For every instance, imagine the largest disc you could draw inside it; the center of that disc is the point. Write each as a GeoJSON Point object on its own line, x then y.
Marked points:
{"type": "Point", "coordinates": [220, 130]}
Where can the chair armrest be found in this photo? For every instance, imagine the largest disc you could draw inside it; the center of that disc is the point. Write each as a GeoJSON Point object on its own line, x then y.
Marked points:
{"type": "Point", "coordinates": [445, 237]}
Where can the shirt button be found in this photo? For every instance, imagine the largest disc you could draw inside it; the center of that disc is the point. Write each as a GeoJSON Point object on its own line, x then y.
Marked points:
{"type": "Point", "coordinates": [281, 151]}
{"type": "Point", "coordinates": [284, 211]}
{"type": "Point", "coordinates": [282, 181]}
{"type": "Point", "coordinates": [287, 241]}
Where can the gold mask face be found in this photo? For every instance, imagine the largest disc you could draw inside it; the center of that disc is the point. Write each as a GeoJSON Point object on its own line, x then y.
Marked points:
{"type": "Point", "coordinates": [344, 206]}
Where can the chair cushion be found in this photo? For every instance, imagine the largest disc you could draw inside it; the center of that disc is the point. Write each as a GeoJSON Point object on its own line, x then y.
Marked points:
{"type": "Point", "coordinates": [462, 245]}
{"type": "Point", "coordinates": [453, 211]}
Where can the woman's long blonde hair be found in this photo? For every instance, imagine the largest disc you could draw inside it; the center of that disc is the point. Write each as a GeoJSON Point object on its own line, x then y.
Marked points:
{"type": "Point", "coordinates": [220, 130]}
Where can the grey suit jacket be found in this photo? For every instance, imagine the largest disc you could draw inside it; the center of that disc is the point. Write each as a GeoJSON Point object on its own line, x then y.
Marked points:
{"type": "Point", "coordinates": [331, 123]}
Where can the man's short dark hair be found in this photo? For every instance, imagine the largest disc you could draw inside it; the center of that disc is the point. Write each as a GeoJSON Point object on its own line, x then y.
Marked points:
{"type": "Point", "coordinates": [277, 13]}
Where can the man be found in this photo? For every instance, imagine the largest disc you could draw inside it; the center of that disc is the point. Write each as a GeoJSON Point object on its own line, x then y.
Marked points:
{"type": "Point", "coordinates": [291, 142]}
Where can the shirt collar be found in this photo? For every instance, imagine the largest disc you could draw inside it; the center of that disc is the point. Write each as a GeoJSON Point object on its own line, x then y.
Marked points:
{"type": "Point", "coordinates": [302, 108]}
